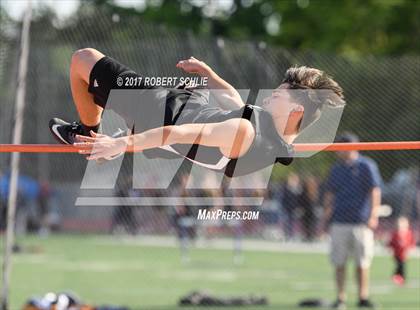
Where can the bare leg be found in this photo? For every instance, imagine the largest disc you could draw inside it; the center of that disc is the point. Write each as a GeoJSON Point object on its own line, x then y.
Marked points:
{"type": "Point", "coordinates": [82, 63]}
{"type": "Point", "coordinates": [363, 282]}
{"type": "Point", "coordinates": [340, 275]}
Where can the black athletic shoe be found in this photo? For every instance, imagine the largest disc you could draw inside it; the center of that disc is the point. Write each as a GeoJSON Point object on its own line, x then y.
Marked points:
{"type": "Point", "coordinates": [339, 305]}
{"type": "Point", "coordinates": [366, 303]}
{"type": "Point", "coordinates": [64, 132]}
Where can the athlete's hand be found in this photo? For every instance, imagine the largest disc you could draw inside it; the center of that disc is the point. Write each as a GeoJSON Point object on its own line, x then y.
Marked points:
{"type": "Point", "coordinates": [193, 65]}
{"type": "Point", "coordinates": [100, 146]}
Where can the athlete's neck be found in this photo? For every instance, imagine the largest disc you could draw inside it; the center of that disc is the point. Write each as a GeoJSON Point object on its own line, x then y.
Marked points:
{"type": "Point", "coordinates": [288, 130]}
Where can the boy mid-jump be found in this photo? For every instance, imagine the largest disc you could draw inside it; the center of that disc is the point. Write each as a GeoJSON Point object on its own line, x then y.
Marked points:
{"type": "Point", "coordinates": [229, 136]}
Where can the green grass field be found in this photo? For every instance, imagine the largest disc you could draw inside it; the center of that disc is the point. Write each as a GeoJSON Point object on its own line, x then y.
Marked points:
{"type": "Point", "coordinates": [102, 270]}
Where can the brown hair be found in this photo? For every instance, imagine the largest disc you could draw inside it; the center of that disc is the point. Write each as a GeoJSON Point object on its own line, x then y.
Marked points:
{"type": "Point", "coordinates": [317, 89]}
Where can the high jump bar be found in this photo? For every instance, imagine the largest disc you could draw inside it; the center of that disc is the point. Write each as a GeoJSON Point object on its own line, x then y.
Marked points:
{"type": "Point", "coordinates": [299, 147]}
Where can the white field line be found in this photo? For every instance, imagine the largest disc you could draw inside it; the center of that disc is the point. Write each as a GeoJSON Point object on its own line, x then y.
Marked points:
{"type": "Point", "coordinates": [321, 247]}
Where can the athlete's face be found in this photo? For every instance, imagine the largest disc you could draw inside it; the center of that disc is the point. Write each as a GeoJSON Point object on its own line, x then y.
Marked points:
{"type": "Point", "coordinates": [286, 113]}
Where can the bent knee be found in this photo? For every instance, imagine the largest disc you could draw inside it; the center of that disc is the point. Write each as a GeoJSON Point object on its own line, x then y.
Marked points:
{"type": "Point", "coordinates": [85, 56]}
{"type": "Point", "coordinates": [83, 60]}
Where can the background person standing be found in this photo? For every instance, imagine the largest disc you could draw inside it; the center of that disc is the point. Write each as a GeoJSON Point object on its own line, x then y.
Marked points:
{"type": "Point", "coordinates": [402, 240]}
{"type": "Point", "coordinates": [292, 191]}
{"type": "Point", "coordinates": [352, 198]}
{"type": "Point", "coordinates": [309, 203]}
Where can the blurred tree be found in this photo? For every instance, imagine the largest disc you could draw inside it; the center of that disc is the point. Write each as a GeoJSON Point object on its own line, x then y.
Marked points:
{"type": "Point", "coordinates": [349, 27]}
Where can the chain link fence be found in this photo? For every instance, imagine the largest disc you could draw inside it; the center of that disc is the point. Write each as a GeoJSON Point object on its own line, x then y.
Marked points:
{"type": "Point", "coordinates": [382, 95]}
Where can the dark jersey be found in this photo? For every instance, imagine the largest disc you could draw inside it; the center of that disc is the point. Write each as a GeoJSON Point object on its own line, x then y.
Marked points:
{"type": "Point", "coordinates": [181, 106]}
{"type": "Point", "coordinates": [186, 107]}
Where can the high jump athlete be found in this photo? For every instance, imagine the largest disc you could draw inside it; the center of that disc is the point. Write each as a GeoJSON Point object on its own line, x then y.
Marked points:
{"type": "Point", "coordinates": [229, 136]}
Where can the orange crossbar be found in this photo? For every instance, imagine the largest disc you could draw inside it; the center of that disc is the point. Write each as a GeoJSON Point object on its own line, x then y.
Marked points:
{"type": "Point", "coordinates": [301, 147]}
{"type": "Point", "coordinates": [358, 146]}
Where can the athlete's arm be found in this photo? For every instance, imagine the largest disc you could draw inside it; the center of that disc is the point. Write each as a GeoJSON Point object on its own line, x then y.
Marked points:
{"type": "Point", "coordinates": [328, 206]}
{"type": "Point", "coordinates": [375, 200]}
{"type": "Point", "coordinates": [226, 95]}
{"type": "Point", "coordinates": [233, 137]}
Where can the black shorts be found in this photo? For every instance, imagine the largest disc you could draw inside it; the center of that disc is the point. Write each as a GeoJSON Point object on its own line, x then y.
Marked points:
{"type": "Point", "coordinates": [145, 110]}
{"type": "Point", "coordinates": [109, 74]}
